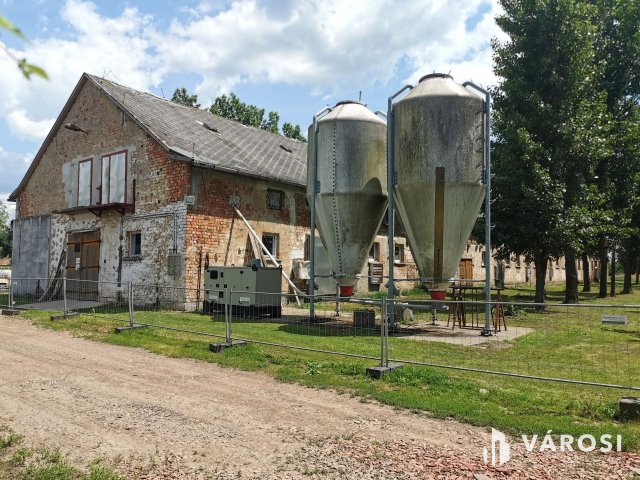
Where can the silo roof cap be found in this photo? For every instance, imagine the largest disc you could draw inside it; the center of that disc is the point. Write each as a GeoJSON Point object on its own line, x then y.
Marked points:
{"type": "Point", "coordinates": [436, 75]}
{"type": "Point", "coordinates": [347, 102]}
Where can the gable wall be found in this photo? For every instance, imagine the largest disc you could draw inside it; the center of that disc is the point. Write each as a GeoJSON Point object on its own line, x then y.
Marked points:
{"type": "Point", "coordinates": [158, 182]}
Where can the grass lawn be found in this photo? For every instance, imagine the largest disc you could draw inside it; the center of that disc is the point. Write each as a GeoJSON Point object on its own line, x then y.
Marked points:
{"type": "Point", "coordinates": [564, 343]}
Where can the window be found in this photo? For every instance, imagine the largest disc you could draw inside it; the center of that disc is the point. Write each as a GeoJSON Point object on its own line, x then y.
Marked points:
{"type": "Point", "coordinates": [374, 253]}
{"type": "Point", "coordinates": [275, 199]}
{"type": "Point", "coordinates": [270, 241]}
{"type": "Point", "coordinates": [135, 244]}
{"type": "Point", "coordinates": [518, 261]}
{"type": "Point", "coordinates": [398, 253]}
{"type": "Point", "coordinates": [114, 178]}
{"type": "Point", "coordinates": [483, 254]}
{"type": "Point", "coordinates": [85, 172]}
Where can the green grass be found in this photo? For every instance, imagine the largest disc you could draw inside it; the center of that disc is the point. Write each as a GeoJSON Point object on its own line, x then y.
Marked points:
{"type": "Point", "coordinates": [565, 343]}
{"type": "Point", "coordinates": [24, 463]}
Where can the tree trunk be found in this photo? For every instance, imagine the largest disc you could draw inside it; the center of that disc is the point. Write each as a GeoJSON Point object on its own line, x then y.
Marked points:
{"type": "Point", "coordinates": [541, 261]}
{"type": "Point", "coordinates": [603, 260]}
{"type": "Point", "coordinates": [627, 263]}
{"type": "Point", "coordinates": [571, 280]}
{"type": "Point", "coordinates": [636, 263]}
{"type": "Point", "coordinates": [613, 272]}
{"type": "Point", "coordinates": [586, 274]}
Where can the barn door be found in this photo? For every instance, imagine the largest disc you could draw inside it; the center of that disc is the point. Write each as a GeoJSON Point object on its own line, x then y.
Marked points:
{"type": "Point", "coordinates": [465, 270]}
{"type": "Point", "coordinates": [83, 263]}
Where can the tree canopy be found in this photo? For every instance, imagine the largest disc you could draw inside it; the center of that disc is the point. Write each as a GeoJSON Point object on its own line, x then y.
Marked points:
{"type": "Point", "coordinates": [5, 232]}
{"type": "Point", "coordinates": [231, 107]}
{"type": "Point", "coordinates": [182, 97]}
{"type": "Point", "coordinates": [545, 114]}
{"type": "Point", "coordinates": [564, 160]}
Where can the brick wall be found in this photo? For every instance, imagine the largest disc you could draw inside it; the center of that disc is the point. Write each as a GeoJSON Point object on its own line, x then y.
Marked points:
{"type": "Point", "coordinates": [213, 228]}
{"type": "Point", "coordinates": [157, 182]}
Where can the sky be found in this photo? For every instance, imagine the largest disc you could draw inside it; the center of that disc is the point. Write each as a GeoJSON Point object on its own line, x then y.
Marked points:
{"type": "Point", "coordinates": [293, 57]}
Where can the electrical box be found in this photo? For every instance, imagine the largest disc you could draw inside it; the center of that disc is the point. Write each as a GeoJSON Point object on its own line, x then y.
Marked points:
{"type": "Point", "coordinates": [252, 291]}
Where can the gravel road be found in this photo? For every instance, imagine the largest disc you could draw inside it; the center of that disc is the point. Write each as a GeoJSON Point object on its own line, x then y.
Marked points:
{"type": "Point", "coordinates": [158, 417]}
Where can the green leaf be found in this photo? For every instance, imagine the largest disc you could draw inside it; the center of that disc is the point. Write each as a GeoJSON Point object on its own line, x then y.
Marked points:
{"type": "Point", "coordinates": [28, 69]}
{"type": "Point", "coordinates": [7, 25]}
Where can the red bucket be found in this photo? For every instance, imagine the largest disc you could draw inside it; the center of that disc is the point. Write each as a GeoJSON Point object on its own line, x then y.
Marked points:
{"type": "Point", "coordinates": [438, 294]}
{"type": "Point", "coordinates": [346, 291]}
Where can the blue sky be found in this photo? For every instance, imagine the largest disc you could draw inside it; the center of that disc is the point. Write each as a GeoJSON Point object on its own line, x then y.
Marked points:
{"type": "Point", "coordinates": [290, 56]}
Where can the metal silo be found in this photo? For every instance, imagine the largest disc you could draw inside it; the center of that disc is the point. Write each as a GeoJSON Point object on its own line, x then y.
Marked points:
{"type": "Point", "coordinates": [438, 148]}
{"type": "Point", "coordinates": [351, 186]}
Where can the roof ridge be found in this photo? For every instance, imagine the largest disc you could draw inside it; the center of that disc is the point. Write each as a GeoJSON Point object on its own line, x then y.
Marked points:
{"type": "Point", "coordinates": [98, 79]}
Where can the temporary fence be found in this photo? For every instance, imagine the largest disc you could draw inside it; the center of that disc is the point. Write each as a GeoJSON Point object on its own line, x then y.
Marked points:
{"type": "Point", "coordinates": [592, 344]}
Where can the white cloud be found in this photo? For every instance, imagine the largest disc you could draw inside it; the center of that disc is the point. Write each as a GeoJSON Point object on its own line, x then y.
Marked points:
{"type": "Point", "coordinates": [25, 128]}
{"type": "Point", "coordinates": [115, 47]}
{"type": "Point", "coordinates": [13, 167]}
{"type": "Point", "coordinates": [329, 46]}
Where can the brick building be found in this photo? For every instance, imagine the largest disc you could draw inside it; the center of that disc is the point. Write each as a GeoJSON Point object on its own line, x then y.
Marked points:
{"type": "Point", "coordinates": [129, 187]}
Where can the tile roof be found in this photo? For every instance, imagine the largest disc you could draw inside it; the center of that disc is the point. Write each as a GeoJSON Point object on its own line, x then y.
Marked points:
{"type": "Point", "coordinates": [211, 140]}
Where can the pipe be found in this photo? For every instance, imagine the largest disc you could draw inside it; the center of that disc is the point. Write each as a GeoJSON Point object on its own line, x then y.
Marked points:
{"type": "Point", "coordinates": [312, 226]}
{"type": "Point", "coordinates": [268, 253]}
{"type": "Point", "coordinates": [488, 327]}
{"type": "Point", "coordinates": [391, 173]}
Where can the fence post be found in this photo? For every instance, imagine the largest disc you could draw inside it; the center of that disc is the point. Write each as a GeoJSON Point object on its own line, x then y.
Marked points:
{"type": "Point", "coordinates": [132, 320]}
{"type": "Point", "coordinates": [64, 292]}
{"type": "Point", "coordinates": [386, 332]}
{"type": "Point", "coordinates": [383, 322]}
{"type": "Point", "coordinates": [10, 293]}
{"type": "Point", "coordinates": [229, 310]}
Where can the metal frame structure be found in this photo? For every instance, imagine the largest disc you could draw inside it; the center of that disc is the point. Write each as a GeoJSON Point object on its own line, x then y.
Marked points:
{"type": "Point", "coordinates": [314, 190]}
{"type": "Point", "coordinates": [391, 181]}
{"type": "Point", "coordinates": [488, 326]}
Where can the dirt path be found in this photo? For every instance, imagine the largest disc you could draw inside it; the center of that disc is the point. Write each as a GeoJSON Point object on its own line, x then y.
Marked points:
{"type": "Point", "coordinates": [182, 418]}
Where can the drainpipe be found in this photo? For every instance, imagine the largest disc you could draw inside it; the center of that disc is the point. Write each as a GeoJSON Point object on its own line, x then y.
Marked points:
{"type": "Point", "coordinates": [391, 182]}
{"type": "Point", "coordinates": [314, 191]}
{"type": "Point", "coordinates": [488, 327]}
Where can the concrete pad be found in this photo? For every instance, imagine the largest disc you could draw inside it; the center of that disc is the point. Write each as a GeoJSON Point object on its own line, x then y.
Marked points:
{"type": "Point", "coordinates": [59, 305]}
{"type": "Point", "coordinates": [380, 370]}
{"type": "Point", "coordinates": [458, 336]}
{"type": "Point", "coordinates": [630, 407]}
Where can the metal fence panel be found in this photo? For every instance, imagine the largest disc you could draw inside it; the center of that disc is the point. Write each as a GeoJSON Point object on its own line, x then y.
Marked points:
{"type": "Point", "coordinates": [596, 344]}
{"type": "Point", "coordinates": [343, 326]}
{"type": "Point", "coordinates": [587, 343]}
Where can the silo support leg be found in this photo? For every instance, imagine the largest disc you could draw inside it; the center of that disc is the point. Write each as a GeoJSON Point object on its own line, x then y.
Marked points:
{"type": "Point", "coordinates": [385, 366]}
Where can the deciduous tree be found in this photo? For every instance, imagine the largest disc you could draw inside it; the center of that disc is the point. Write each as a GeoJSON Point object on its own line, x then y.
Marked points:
{"type": "Point", "coordinates": [549, 124]}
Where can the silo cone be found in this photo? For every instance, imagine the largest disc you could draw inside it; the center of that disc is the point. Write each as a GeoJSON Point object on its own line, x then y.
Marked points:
{"type": "Point", "coordinates": [438, 150]}
{"type": "Point", "coordinates": [352, 195]}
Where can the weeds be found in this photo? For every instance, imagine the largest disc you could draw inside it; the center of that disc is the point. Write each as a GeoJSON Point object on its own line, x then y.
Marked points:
{"type": "Point", "coordinates": [42, 463]}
